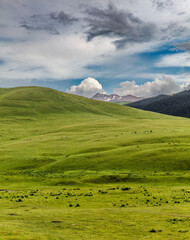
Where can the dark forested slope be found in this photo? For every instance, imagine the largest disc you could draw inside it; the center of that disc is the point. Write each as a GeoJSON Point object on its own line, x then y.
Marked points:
{"type": "Point", "coordinates": [176, 105]}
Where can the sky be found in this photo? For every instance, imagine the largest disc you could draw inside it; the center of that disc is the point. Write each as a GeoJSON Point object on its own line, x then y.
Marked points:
{"type": "Point", "coordinates": [138, 47]}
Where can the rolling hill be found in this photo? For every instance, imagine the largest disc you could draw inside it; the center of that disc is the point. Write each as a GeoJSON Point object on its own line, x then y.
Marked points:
{"type": "Point", "coordinates": [43, 129]}
{"type": "Point", "coordinates": [33, 101]}
{"type": "Point", "coordinates": [176, 105]}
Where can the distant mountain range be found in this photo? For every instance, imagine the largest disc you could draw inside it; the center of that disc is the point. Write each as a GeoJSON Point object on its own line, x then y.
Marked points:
{"type": "Point", "coordinates": [116, 98]}
{"type": "Point", "coordinates": [176, 105]}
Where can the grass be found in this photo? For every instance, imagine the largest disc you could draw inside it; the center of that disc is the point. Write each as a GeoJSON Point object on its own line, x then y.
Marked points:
{"type": "Point", "coordinates": [103, 211]}
{"type": "Point", "coordinates": [124, 103]}
{"type": "Point", "coordinates": [75, 168]}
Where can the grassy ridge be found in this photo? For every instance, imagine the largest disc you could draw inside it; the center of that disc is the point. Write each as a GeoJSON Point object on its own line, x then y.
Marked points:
{"type": "Point", "coordinates": [30, 101]}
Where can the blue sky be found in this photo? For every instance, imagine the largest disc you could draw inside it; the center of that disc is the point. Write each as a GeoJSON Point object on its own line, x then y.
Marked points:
{"type": "Point", "coordinates": [84, 47]}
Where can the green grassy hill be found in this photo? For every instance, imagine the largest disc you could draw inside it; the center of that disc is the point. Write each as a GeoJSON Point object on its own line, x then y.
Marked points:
{"type": "Point", "coordinates": [30, 101]}
{"type": "Point", "coordinates": [43, 129]}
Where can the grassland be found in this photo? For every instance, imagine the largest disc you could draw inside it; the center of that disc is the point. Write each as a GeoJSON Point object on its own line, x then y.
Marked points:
{"type": "Point", "coordinates": [124, 103]}
{"type": "Point", "coordinates": [74, 168]}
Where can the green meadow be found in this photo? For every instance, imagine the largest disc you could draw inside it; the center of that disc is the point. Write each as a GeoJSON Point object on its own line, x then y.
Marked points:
{"type": "Point", "coordinates": [75, 168]}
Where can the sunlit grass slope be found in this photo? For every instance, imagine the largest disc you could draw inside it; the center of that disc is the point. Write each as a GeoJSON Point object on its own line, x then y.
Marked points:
{"type": "Point", "coordinates": [33, 101]}
{"type": "Point", "coordinates": [46, 130]}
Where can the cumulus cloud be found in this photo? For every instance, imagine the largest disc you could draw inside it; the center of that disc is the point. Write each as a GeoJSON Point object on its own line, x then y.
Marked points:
{"type": "Point", "coordinates": [183, 78]}
{"type": "Point", "coordinates": [166, 85]}
{"type": "Point", "coordinates": [87, 88]}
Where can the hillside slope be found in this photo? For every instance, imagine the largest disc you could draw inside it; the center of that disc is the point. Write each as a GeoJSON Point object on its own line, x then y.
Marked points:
{"type": "Point", "coordinates": [143, 103]}
{"type": "Point", "coordinates": [45, 130]}
{"type": "Point", "coordinates": [176, 105]}
{"type": "Point", "coordinates": [32, 101]}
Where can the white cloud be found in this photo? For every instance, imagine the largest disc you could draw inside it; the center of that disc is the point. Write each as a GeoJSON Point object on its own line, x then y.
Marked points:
{"type": "Point", "coordinates": [87, 88]}
{"type": "Point", "coordinates": [179, 78]}
{"type": "Point", "coordinates": [58, 57]}
{"type": "Point", "coordinates": [40, 55]}
{"type": "Point", "coordinates": [175, 60]}
{"type": "Point", "coordinates": [166, 85]}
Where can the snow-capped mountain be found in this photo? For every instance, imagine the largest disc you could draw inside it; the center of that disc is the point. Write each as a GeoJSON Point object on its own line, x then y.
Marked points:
{"type": "Point", "coordinates": [116, 98]}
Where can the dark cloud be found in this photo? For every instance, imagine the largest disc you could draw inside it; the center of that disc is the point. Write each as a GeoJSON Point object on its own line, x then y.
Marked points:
{"type": "Point", "coordinates": [47, 28]}
{"type": "Point", "coordinates": [173, 30]}
{"type": "Point", "coordinates": [62, 17]}
{"type": "Point", "coordinates": [183, 46]}
{"type": "Point", "coordinates": [118, 23]}
{"type": "Point", "coordinates": [48, 22]}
